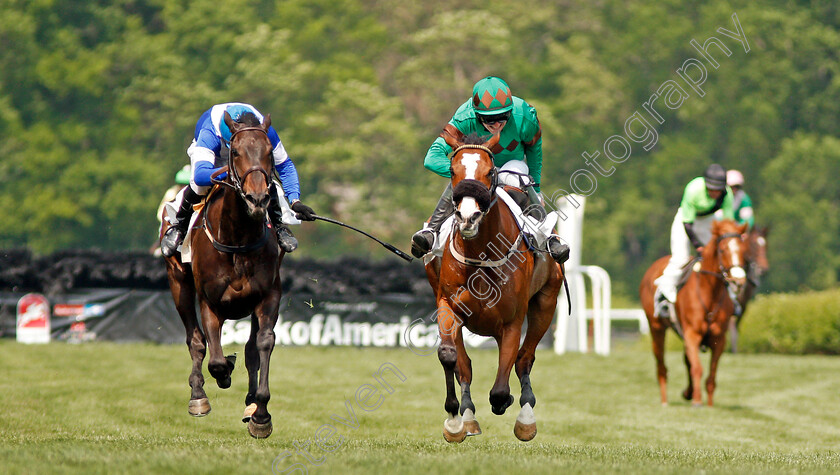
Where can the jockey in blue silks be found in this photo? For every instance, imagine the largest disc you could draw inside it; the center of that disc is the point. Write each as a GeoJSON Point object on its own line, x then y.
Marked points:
{"type": "Point", "coordinates": [211, 135]}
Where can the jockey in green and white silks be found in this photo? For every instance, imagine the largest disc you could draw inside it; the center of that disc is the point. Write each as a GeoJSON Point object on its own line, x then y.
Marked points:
{"type": "Point", "coordinates": [691, 229]}
{"type": "Point", "coordinates": [492, 108]}
{"type": "Point", "coordinates": [212, 135]}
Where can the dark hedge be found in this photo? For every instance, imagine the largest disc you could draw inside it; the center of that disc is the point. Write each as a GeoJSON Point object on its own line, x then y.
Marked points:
{"type": "Point", "coordinates": [21, 271]}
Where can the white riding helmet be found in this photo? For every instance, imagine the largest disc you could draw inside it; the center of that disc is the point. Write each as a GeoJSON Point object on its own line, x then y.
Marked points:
{"type": "Point", "coordinates": [518, 170]}
{"type": "Point", "coordinates": [734, 178]}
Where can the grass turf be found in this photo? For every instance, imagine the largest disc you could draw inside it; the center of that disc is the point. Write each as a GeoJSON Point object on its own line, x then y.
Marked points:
{"type": "Point", "coordinates": [122, 408]}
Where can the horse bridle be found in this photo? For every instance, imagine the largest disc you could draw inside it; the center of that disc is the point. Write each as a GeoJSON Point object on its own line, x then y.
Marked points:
{"type": "Point", "coordinates": [235, 178]}
{"type": "Point", "coordinates": [493, 173]}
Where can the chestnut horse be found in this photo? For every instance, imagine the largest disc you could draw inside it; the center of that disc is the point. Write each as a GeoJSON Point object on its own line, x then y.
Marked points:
{"type": "Point", "coordinates": [757, 264]}
{"type": "Point", "coordinates": [703, 308]}
{"type": "Point", "coordinates": [488, 281]}
{"type": "Point", "coordinates": [234, 272]}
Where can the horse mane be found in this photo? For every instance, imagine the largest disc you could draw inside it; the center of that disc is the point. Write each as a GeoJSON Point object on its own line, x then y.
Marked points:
{"type": "Point", "coordinates": [475, 139]}
{"type": "Point", "coordinates": [249, 119]}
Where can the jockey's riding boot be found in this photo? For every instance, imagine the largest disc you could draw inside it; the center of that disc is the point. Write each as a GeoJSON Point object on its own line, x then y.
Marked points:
{"type": "Point", "coordinates": [174, 236]}
{"type": "Point", "coordinates": [285, 238]}
{"type": "Point", "coordinates": [423, 240]}
{"type": "Point", "coordinates": [661, 305]}
{"type": "Point", "coordinates": [535, 207]}
{"type": "Point", "coordinates": [558, 250]}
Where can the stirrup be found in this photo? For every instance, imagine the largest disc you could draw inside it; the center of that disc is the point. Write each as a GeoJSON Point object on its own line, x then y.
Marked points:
{"type": "Point", "coordinates": [422, 242]}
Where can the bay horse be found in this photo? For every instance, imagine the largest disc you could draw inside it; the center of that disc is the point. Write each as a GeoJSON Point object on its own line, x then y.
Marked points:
{"type": "Point", "coordinates": [234, 272]}
{"type": "Point", "coordinates": [488, 281]}
{"type": "Point", "coordinates": [703, 308]}
{"type": "Point", "coordinates": [757, 264]}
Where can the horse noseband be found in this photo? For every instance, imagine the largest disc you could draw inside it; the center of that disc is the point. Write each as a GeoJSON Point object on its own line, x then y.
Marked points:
{"type": "Point", "coordinates": [473, 189]}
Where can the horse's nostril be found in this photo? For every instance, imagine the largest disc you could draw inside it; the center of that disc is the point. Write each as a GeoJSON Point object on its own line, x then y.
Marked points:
{"type": "Point", "coordinates": [475, 216]}
{"type": "Point", "coordinates": [458, 215]}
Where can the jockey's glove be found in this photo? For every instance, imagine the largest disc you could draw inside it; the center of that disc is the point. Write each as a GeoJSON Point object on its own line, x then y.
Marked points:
{"type": "Point", "coordinates": [303, 212]}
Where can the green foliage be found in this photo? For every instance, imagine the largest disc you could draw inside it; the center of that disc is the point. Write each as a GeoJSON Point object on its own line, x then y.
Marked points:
{"type": "Point", "coordinates": [796, 324]}
{"type": "Point", "coordinates": [98, 102]}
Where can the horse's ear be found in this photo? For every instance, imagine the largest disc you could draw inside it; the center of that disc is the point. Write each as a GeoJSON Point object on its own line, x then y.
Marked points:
{"type": "Point", "coordinates": [450, 139]}
{"type": "Point", "coordinates": [230, 122]}
{"type": "Point", "coordinates": [716, 228]}
{"type": "Point", "coordinates": [743, 229]}
{"type": "Point", "coordinates": [266, 122]}
{"type": "Point", "coordinates": [494, 140]}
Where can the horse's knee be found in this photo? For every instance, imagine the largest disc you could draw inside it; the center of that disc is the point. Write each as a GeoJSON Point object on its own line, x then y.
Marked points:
{"type": "Point", "coordinates": [265, 340]}
{"type": "Point", "coordinates": [447, 355]}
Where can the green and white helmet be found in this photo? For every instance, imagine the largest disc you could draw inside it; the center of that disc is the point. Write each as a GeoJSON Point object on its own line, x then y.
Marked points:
{"type": "Point", "coordinates": [491, 96]}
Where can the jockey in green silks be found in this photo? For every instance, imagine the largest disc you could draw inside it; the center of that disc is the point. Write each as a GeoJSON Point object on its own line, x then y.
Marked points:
{"type": "Point", "coordinates": [491, 109]}
{"type": "Point", "coordinates": [691, 229]}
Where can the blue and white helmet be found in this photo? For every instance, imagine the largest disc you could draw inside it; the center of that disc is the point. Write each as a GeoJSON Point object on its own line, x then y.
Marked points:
{"type": "Point", "coordinates": [235, 112]}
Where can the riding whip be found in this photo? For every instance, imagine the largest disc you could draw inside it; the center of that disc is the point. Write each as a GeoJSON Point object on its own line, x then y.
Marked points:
{"type": "Point", "coordinates": [387, 246]}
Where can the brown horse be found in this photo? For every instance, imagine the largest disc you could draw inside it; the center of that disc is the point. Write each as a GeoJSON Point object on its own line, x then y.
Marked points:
{"type": "Point", "coordinates": [234, 272]}
{"type": "Point", "coordinates": [488, 281]}
{"type": "Point", "coordinates": [703, 308]}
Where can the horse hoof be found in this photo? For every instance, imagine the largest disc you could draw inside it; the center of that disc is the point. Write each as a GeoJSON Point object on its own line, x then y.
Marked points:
{"type": "Point", "coordinates": [470, 424]}
{"type": "Point", "coordinates": [259, 431]}
{"type": "Point", "coordinates": [525, 432]}
{"type": "Point", "coordinates": [454, 430]}
{"type": "Point", "coordinates": [224, 383]}
{"type": "Point", "coordinates": [249, 411]}
{"type": "Point", "coordinates": [697, 405]}
{"type": "Point", "coordinates": [199, 407]}
{"type": "Point", "coordinates": [525, 428]}
{"type": "Point", "coordinates": [686, 395]}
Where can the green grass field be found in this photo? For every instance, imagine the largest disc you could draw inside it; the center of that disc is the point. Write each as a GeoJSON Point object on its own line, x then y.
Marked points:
{"type": "Point", "coordinates": [122, 408]}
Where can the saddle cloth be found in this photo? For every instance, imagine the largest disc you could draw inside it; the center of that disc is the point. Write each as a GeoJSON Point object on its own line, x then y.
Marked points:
{"type": "Point", "coordinates": [539, 230]}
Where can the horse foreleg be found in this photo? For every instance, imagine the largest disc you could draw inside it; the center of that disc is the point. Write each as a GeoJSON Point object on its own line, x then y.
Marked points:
{"type": "Point", "coordinates": [463, 372]}
{"type": "Point", "coordinates": [266, 315]}
{"type": "Point", "coordinates": [658, 343]}
{"type": "Point", "coordinates": [508, 341]}
{"type": "Point", "coordinates": [183, 295]}
{"type": "Point", "coordinates": [540, 315]}
{"type": "Point", "coordinates": [718, 343]}
{"type": "Point", "coordinates": [218, 366]}
{"type": "Point", "coordinates": [449, 325]}
{"type": "Point", "coordinates": [694, 367]}
{"type": "Point", "coordinates": [252, 364]}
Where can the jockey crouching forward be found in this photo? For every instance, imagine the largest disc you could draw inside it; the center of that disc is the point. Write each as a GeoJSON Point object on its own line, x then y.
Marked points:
{"type": "Point", "coordinates": [211, 133]}
{"type": "Point", "coordinates": [492, 109]}
{"type": "Point", "coordinates": [692, 228]}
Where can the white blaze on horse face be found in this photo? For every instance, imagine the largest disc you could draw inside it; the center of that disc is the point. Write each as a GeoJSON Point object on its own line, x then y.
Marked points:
{"type": "Point", "coordinates": [470, 162]}
{"type": "Point", "coordinates": [733, 251]}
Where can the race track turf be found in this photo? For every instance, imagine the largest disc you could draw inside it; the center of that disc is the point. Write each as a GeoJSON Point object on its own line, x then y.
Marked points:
{"type": "Point", "coordinates": [122, 408]}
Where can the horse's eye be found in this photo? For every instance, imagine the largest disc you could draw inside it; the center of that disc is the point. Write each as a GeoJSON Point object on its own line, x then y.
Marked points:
{"type": "Point", "coordinates": [233, 152]}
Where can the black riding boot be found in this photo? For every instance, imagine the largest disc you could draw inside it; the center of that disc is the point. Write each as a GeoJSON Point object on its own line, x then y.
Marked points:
{"type": "Point", "coordinates": [285, 238]}
{"type": "Point", "coordinates": [535, 207]}
{"type": "Point", "coordinates": [423, 240]}
{"type": "Point", "coordinates": [173, 236]}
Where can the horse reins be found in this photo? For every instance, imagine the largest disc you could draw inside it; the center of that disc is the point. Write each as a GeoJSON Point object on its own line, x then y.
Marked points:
{"type": "Point", "coordinates": [236, 184]}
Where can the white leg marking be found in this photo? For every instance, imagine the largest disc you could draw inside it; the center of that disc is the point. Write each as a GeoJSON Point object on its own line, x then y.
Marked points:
{"type": "Point", "coordinates": [526, 415]}
{"type": "Point", "coordinates": [453, 425]}
{"type": "Point", "coordinates": [468, 415]}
